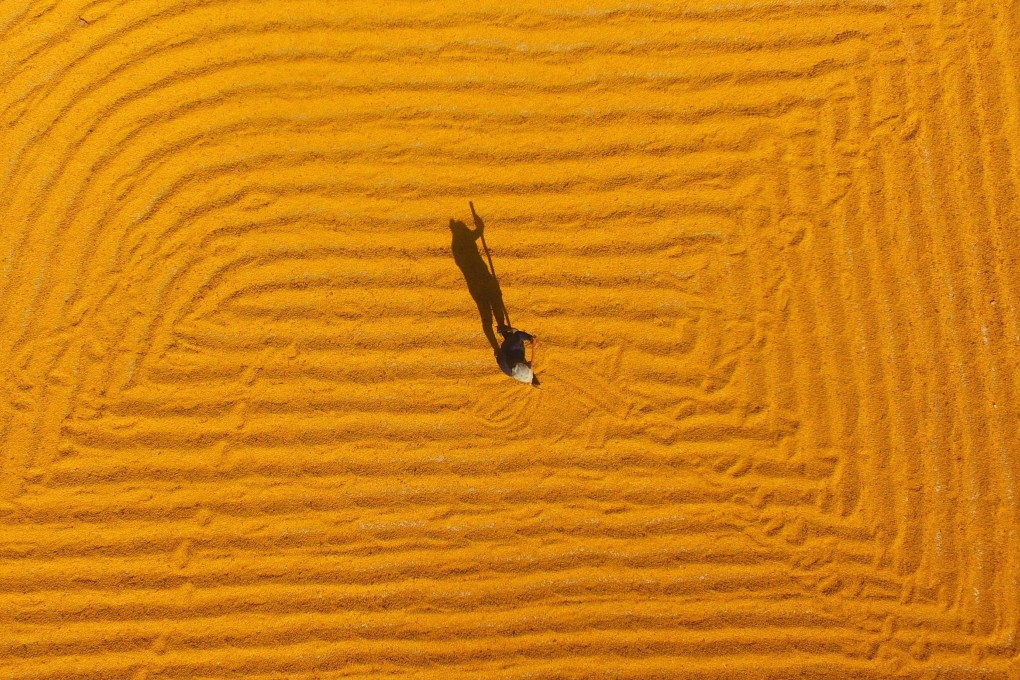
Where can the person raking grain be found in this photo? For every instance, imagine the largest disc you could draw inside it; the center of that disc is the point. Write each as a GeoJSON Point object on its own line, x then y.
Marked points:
{"type": "Point", "coordinates": [511, 353]}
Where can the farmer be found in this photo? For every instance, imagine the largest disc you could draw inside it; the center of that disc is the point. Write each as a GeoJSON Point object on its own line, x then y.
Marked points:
{"type": "Point", "coordinates": [484, 288]}
{"type": "Point", "coordinates": [512, 358]}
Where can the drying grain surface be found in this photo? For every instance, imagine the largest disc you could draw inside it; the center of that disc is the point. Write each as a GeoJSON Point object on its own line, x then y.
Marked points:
{"type": "Point", "coordinates": [251, 427]}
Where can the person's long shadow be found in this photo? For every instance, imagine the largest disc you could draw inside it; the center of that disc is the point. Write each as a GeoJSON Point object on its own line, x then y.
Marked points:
{"type": "Point", "coordinates": [481, 282]}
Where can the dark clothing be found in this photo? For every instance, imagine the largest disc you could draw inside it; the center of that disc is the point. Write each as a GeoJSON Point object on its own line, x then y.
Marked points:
{"type": "Point", "coordinates": [512, 352]}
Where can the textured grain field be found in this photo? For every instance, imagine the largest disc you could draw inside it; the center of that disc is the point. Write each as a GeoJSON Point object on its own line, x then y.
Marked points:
{"type": "Point", "coordinates": [251, 426]}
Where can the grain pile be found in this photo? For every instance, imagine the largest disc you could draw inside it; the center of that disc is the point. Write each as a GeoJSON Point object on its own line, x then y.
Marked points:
{"type": "Point", "coordinates": [250, 425]}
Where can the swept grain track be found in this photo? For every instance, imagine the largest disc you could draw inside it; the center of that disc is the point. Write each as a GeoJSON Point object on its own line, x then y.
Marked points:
{"type": "Point", "coordinates": [250, 426]}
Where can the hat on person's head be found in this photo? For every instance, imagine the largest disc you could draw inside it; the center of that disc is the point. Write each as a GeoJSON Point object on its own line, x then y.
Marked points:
{"type": "Point", "coordinates": [521, 371]}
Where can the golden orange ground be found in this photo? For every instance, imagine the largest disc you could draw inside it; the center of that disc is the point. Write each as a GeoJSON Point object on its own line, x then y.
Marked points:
{"type": "Point", "coordinates": [251, 427]}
